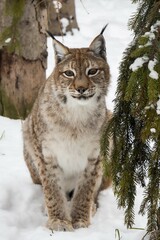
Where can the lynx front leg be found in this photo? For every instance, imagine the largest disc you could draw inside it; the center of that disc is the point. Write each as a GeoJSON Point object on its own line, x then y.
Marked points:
{"type": "Point", "coordinates": [56, 203]}
{"type": "Point", "coordinates": [32, 169]}
{"type": "Point", "coordinates": [85, 194]}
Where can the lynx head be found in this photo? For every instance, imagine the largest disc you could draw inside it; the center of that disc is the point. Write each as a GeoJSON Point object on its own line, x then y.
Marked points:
{"type": "Point", "coordinates": [81, 74]}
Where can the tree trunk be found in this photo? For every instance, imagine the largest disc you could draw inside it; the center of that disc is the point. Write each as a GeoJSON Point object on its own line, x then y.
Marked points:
{"type": "Point", "coordinates": [22, 56]}
{"type": "Point", "coordinates": [62, 17]}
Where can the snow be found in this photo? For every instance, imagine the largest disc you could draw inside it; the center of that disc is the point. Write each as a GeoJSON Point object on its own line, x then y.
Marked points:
{"type": "Point", "coordinates": [151, 34]}
{"type": "Point", "coordinates": [65, 23]}
{"type": "Point", "coordinates": [153, 74]}
{"type": "Point", "coordinates": [7, 40]}
{"type": "Point", "coordinates": [138, 63]}
{"type": "Point", "coordinates": [150, 106]}
{"type": "Point", "coordinates": [57, 5]}
{"type": "Point", "coordinates": [155, 26]}
{"type": "Point", "coordinates": [158, 106]}
{"type": "Point", "coordinates": [153, 130]}
{"type": "Point", "coordinates": [22, 214]}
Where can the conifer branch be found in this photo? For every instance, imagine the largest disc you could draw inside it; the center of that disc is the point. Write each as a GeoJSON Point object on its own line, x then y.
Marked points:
{"type": "Point", "coordinates": [135, 125]}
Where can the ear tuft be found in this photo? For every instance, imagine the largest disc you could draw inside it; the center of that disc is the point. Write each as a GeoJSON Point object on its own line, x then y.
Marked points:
{"type": "Point", "coordinates": [50, 34]}
{"type": "Point", "coordinates": [60, 50]}
{"type": "Point", "coordinates": [103, 29]}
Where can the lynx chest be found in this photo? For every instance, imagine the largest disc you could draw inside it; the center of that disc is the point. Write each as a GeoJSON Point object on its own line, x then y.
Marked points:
{"type": "Point", "coordinates": [71, 153]}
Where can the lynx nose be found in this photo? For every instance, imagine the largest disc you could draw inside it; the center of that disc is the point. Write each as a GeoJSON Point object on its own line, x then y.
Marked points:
{"type": "Point", "coordinates": [81, 90]}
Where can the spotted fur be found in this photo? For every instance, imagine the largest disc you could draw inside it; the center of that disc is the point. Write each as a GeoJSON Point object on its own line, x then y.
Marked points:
{"type": "Point", "coordinates": [62, 133]}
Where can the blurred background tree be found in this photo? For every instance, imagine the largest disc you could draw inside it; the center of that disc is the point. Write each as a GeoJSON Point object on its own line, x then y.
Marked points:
{"type": "Point", "coordinates": [135, 126]}
{"type": "Point", "coordinates": [23, 49]}
{"type": "Point", "coordinates": [62, 17]}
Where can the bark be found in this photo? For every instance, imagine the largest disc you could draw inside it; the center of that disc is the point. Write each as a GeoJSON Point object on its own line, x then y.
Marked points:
{"type": "Point", "coordinates": [62, 17]}
{"type": "Point", "coordinates": [22, 67]}
{"type": "Point", "coordinates": [20, 82]}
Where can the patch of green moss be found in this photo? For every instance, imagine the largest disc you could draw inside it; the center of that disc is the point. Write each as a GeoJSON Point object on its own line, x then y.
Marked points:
{"type": "Point", "coordinates": [143, 40]}
{"type": "Point", "coordinates": [14, 9]}
{"type": "Point", "coordinates": [8, 109]}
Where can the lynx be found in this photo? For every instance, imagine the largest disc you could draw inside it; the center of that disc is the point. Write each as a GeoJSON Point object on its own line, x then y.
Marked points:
{"type": "Point", "coordinates": [62, 134]}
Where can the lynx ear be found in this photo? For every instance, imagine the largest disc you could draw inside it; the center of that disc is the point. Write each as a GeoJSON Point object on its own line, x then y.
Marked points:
{"type": "Point", "coordinates": [98, 45]}
{"type": "Point", "coordinates": [60, 49]}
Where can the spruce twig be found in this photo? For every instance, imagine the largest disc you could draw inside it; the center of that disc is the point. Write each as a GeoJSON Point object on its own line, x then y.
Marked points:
{"type": "Point", "coordinates": [136, 123]}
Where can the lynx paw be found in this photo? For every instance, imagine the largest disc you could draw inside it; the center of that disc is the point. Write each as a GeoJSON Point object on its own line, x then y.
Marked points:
{"type": "Point", "coordinates": [60, 225]}
{"type": "Point", "coordinates": [80, 224]}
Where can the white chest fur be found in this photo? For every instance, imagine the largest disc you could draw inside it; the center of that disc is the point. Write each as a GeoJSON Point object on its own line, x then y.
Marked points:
{"type": "Point", "coordinates": [73, 144]}
{"type": "Point", "coordinates": [71, 154]}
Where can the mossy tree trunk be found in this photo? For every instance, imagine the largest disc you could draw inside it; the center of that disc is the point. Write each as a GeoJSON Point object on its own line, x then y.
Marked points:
{"type": "Point", "coordinates": [22, 55]}
{"type": "Point", "coordinates": [23, 44]}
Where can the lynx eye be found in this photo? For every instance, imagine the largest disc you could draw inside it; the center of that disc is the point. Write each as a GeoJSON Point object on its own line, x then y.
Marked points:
{"type": "Point", "coordinates": [93, 72]}
{"type": "Point", "coordinates": [68, 73]}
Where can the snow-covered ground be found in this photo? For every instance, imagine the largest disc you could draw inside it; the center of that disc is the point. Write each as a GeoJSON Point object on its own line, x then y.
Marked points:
{"type": "Point", "coordinates": [22, 214]}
